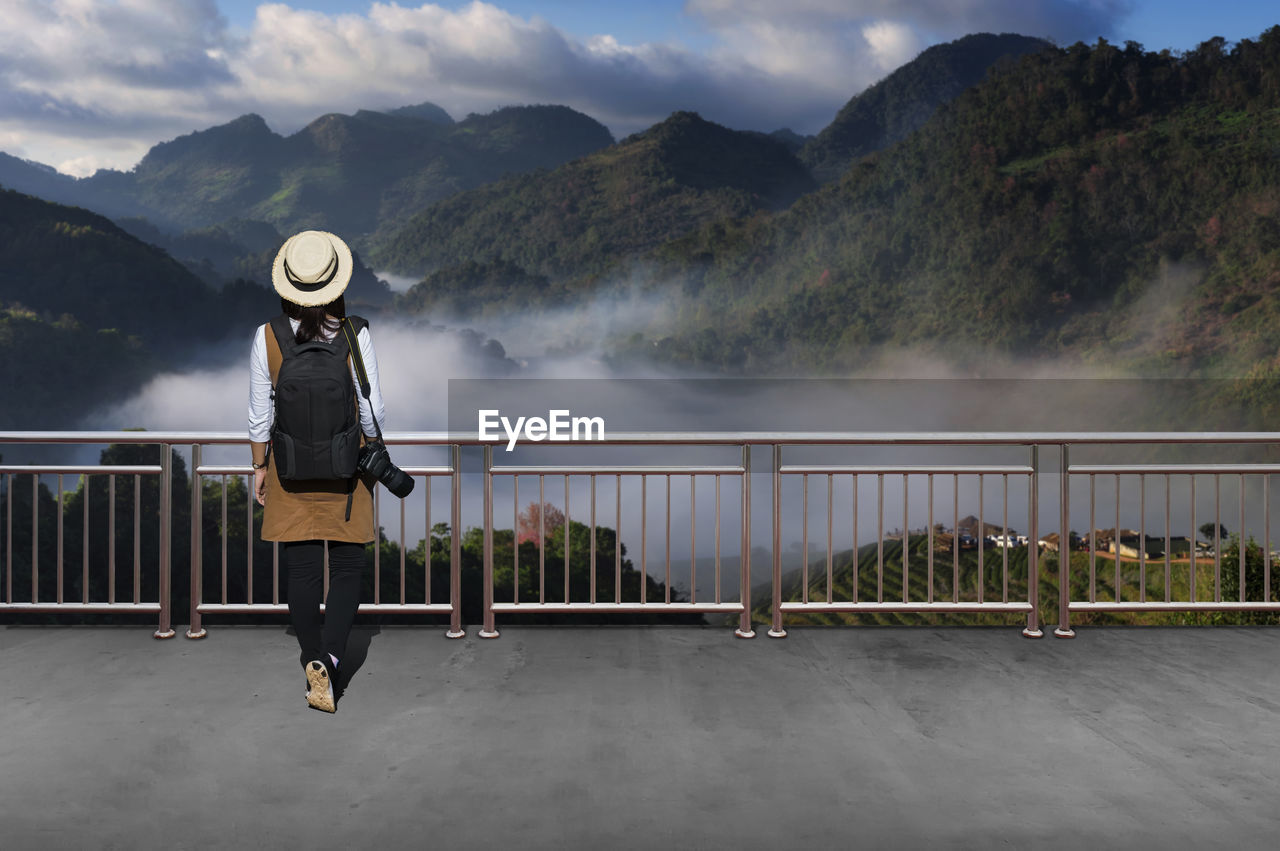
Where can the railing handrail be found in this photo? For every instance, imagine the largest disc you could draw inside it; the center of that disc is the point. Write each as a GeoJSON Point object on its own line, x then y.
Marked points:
{"type": "Point", "coordinates": [732, 438]}
{"type": "Point", "coordinates": [82, 469]}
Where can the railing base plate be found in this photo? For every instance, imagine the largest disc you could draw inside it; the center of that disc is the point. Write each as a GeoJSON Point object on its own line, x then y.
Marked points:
{"type": "Point", "coordinates": [777, 633]}
{"type": "Point", "coordinates": [1064, 633]}
{"type": "Point", "coordinates": [485, 634]}
{"type": "Point", "coordinates": [1032, 633]}
{"type": "Point", "coordinates": [201, 634]}
{"type": "Point", "coordinates": [751, 633]}
{"type": "Point", "coordinates": [167, 634]}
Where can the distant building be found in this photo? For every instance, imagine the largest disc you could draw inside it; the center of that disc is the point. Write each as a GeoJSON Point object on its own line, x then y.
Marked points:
{"type": "Point", "coordinates": [1128, 546]}
{"type": "Point", "coordinates": [1049, 542]}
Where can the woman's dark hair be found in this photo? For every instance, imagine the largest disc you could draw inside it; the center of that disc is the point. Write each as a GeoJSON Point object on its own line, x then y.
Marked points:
{"type": "Point", "coordinates": [313, 320]}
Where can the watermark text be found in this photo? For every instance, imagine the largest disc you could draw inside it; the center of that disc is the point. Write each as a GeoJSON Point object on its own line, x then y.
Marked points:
{"type": "Point", "coordinates": [559, 425]}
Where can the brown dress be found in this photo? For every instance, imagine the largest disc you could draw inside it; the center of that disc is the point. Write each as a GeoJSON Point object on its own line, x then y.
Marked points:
{"type": "Point", "coordinates": [313, 510]}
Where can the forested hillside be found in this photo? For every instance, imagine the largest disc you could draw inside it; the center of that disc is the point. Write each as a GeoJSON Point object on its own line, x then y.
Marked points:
{"type": "Point", "coordinates": [1105, 202]}
{"type": "Point", "coordinates": [50, 368]}
{"type": "Point", "coordinates": [242, 250]}
{"type": "Point", "coordinates": [587, 217]}
{"type": "Point", "coordinates": [56, 260]}
{"type": "Point", "coordinates": [88, 313]}
{"type": "Point", "coordinates": [901, 103]}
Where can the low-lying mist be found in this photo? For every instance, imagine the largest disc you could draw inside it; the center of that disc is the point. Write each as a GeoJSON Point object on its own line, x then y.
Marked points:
{"type": "Point", "coordinates": [962, 387]}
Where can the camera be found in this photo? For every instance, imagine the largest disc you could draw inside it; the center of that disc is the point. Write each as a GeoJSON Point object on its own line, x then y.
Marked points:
{"type": "Point", "coordinates": [375, 461]}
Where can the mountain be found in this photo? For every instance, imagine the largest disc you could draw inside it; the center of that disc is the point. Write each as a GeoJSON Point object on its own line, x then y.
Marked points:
{"type": "Point", "coordinates": [425, 110]}
{"type": "Point", "coordinates": [207, 176]}
{"type": "Point", "coordinates": [584, 218]}
{"type": "Point", "coordinates": [34, 178]}
{"type": "Point", "coordinates": [88, 312]}
{"type": "Point", "coordinates": [369, 172]}
{"type": "Point", "coordinates": [214, 254]}
{"type": "Point", "coordinates": [58, 260]}
{"type": "Point", "coordinates": [52, 370]}
{"type": "Point", "coordinates": [901, 103]}
{"type": "Point", "coordinates": [244, 250]}
{"type": "Point", "coordinates": [345, 173]}
{"type": "Point", "coordinates": [470, 289]}
{"type": "Point", "coordinates": [793, 140]}
{"type": "Point", "coordinates": [1111, 206]}
{"type": "Point", "coordinates": [102, 196]}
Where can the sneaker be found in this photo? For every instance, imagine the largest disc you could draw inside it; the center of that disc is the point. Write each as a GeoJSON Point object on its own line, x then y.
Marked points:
{"type": "Point", "coordinates": [320, 693]}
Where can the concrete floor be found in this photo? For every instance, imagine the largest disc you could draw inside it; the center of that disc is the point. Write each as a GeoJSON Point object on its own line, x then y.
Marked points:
{"type": "Point", "coordinates": [670, 737]}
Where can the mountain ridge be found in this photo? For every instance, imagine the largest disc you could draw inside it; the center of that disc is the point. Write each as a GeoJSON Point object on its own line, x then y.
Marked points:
{"type": "Point", "coordinates": [891, 109]}
{"type": "Point", "coordinates": [605, 207]}
{"type": "Point", "coordinates": [340, 172]}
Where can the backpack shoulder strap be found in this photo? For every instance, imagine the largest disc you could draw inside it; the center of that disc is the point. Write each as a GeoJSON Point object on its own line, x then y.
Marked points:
{"type": "Point", "coordinates": [286, 343]}
{"type": "Point", "coordinates": [351, 326]}
{"type": "Point", "coordinates": [274, 355]}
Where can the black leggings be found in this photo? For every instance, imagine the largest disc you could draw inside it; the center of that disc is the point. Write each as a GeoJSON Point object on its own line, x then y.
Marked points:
{"type": "Point", "coordinates": [305, 562]}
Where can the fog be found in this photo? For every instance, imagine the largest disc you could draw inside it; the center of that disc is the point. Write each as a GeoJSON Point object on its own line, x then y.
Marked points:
{"type": "Point", "coordinates": [397, 283]}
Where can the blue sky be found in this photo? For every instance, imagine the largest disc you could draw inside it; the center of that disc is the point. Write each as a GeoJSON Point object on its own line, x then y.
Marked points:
{"type": "Point", "coordinates": [1182, 24]}
{"type": "Point", "coordinates": [86, 84]}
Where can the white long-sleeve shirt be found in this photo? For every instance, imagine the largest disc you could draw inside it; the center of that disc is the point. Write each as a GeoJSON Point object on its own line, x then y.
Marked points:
{"type": "Point", "coordinates": [262, 412]}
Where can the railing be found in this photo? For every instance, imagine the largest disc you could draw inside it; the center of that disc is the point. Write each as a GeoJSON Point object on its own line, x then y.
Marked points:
{"type": "Point", "coordinates": [995, 589]}
{"type": "Point", "coordinates": [110, 604]}
{"type": "Point", "coordinates": [643, 473]}
{"type": "Point", "coordinates": [1191, 602]}
{"type": "Point", "coordinates": [977, 603]}
{"type": "Point", "coordinates": [452, 608]}
{"type": "Point", "coordinates": [161, 554]}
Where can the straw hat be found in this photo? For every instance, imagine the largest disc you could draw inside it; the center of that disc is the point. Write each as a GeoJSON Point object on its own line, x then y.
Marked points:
{"type": "Point", "coordinates": [312, 268]}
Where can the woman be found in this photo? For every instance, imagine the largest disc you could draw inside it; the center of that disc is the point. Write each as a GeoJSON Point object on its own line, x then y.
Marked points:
{"type": "Point", "coordinates": [311, 271]}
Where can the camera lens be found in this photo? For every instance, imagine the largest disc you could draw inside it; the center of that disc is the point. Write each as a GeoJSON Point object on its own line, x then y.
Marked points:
{"type": "Point", "coordinates": [375, 461]}
{"type": "Point", "coordinates": [397, 481]}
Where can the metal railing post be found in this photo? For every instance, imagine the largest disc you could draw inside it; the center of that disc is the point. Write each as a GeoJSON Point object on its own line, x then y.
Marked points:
{"type": "Point", "coordinates": [776, 630]}
{"type": "Point", "coordinates": [164, 630]}
{"type": "Point", "coordinates": [35, 538]}
{"type": "Point", "coordinates": [455, 543]}
{"type": "Point", "coordinates": [196, 629]}
{"type": "Point", "coordinates": [488, 630]}
{"type": "Point", "coordinates": [744, 629]}
{"type": "Point", "coordinates": [1063, 629]}
{"type": "Point", "coordinates": [1032, 629]}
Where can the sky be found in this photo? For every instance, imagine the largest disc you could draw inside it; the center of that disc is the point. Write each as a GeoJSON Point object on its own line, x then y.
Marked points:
{"type": "Point", "coordinates": [88, 84]}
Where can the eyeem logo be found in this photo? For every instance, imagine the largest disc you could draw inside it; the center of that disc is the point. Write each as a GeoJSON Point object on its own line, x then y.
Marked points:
{"type": "Point", "coordinates": [558, 426]}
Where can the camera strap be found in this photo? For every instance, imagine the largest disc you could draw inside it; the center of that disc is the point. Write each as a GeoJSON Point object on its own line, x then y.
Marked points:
{"type": "Point", "coordinates": [358, 362]}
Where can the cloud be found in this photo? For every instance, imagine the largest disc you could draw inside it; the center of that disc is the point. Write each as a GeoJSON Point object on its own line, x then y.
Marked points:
{"type": "Point", "coordinates": [849, 44]}
{"type": "Point", "coordinates": [398, 283]}
{"type": "Point", "coordinates": [891, 43]}
{"type": "Point", "coordinates": [1064, 20]}
{"type": "Point", "coordinates": [85, 83]}
{"type": "Point", "coordinates": [77, 76]}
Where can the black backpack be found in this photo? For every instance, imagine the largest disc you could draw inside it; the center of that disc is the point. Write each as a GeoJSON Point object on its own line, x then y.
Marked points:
{"type": "Point", "coordinates": [317, 426]}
